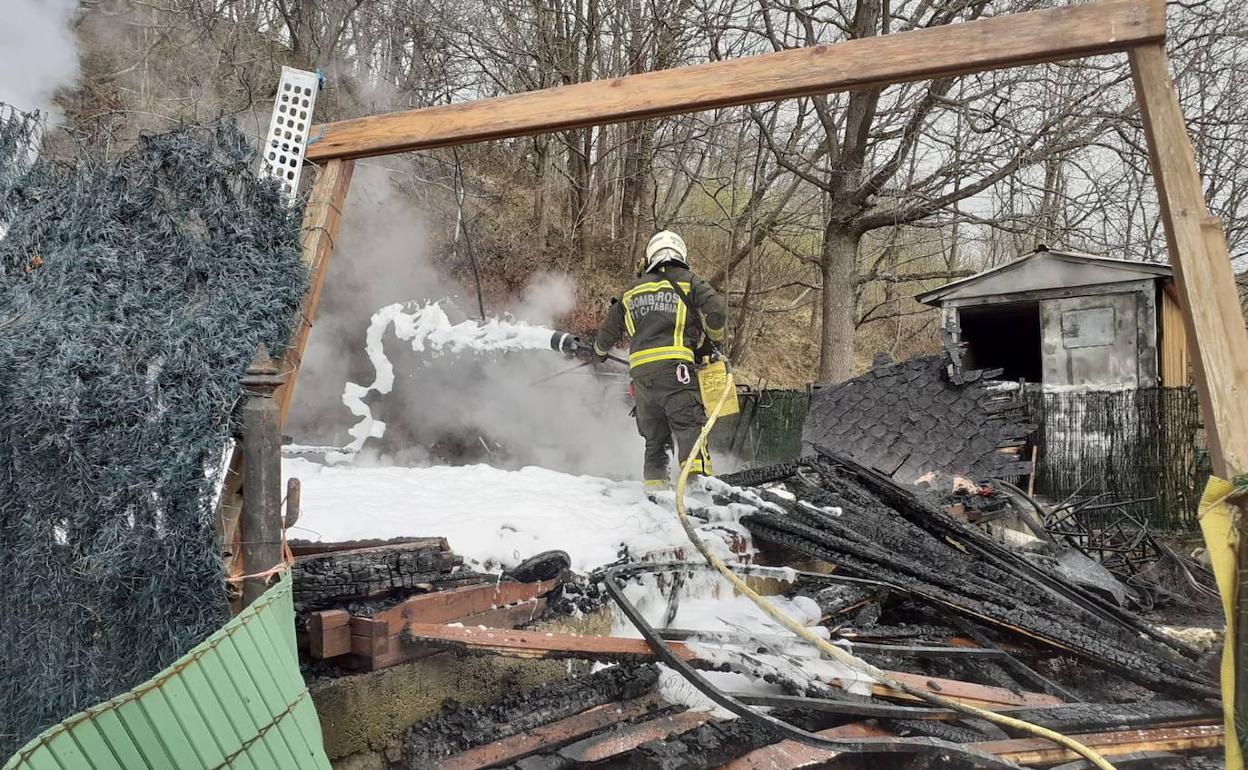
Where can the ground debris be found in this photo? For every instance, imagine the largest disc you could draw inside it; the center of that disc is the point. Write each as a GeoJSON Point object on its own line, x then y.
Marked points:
{"type": "Point", "coordinates": [886, 532]}
{"type": "Point", "coordinates": [701, 748]}
{"type": "Point", "coordinates": [459, 728]}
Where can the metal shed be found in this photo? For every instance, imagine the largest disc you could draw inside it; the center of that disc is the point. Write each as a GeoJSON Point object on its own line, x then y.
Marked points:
{"type": "Point", "coordinates": [1069, 321]}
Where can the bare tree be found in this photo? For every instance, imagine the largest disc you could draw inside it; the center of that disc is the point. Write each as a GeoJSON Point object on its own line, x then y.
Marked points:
{"type": "Point", "coordinates": [832, 210]}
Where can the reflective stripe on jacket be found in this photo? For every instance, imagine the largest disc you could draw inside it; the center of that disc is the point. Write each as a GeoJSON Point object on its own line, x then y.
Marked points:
{"type": "Point", "coordinates": [656, 320]}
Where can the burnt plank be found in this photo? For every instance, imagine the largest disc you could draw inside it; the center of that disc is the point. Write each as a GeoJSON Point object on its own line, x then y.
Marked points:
{"type": "Point", "coordinates": [551, 736]}
{"type": "Point", "coordinates": [538, 644]}
{"type": "Point", "coordinates": [1037, 751]}
{"type": "Point", "coordinates": [329, 633]}
{"type": "Point", "coordinates": [790, 755]}
{"type": "Point", "coordinates": [625, 739]}
{"type": "Point", "coordinates": [460, 603]}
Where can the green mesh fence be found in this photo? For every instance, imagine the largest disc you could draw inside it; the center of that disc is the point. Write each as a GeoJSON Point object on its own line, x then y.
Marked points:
{"type": "Point", "coordinates": [768, 429]}
{"type": "Point", "coordinates": [134, 289]}
{"type": "Point", "coordinates": [1126, 445]}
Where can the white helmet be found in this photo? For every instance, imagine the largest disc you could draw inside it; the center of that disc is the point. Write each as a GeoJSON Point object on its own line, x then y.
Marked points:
{"type": "Point", "coordinates": [666, 247]}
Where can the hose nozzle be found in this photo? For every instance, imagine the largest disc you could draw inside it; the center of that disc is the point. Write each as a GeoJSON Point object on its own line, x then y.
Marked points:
{"type": "Point", "coordinates": [566, 342]}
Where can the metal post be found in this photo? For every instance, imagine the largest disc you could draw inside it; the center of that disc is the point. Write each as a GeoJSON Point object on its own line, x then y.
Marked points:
{"type": "Point", "coordinates": [261, 521]}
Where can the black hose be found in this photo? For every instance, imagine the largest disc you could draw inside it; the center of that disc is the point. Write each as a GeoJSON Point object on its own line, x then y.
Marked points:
{"type": "Point", "coordinates": [971, 757]}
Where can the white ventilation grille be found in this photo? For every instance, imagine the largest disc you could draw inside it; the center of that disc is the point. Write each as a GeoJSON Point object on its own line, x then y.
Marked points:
{"type": "Point", "coordinates": [288, 129]}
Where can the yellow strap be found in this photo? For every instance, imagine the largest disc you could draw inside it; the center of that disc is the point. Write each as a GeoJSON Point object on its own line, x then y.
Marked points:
{"type": "Point", "coordinates": [701, 464]}
{"type": "Point", "coordinates": [1221, 540]}
{"type": "Point", "coordinates": [628, 317]}
{"type": "Point", "coordinates": [667, 353]}
{"type": "Point", "coordinates": [678, 335]}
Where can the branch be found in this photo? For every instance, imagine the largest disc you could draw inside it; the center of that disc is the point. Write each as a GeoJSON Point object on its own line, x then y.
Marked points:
{"type": "Point", "coordinates": [944, 275]}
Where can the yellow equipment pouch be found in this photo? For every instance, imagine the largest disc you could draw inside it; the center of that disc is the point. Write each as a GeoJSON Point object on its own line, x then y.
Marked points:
{"type": "Point", "coordinates": [711, 380]}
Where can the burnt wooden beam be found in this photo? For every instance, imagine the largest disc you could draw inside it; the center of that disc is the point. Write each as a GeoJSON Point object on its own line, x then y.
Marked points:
{"type": "Point", "coordinates": [504, 605]}
{"type": "Point", "coordinates": [551, 737]}
{"type": "Point", "coordinates": [790, 755]}
{"type": "Point", "coordinates": [1037, 751]}
{"type": "Point", "coordinates": [1006, 41]}
{"type": "Point", "coordinates": [324, 580]}
{"type": "Point", "coordinates": [599, 748]}
{"type": "Point", "coordinates": [300, 548]}
{"type": "Point", "coordinates": [546, 645]}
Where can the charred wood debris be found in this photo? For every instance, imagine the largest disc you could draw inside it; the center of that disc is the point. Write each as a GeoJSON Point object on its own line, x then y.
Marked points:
{"type": "Point", "coordinates": [902, 553]}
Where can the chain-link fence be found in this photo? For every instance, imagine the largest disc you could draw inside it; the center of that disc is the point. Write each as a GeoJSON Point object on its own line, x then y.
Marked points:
{"type": "Point", "coordinates": [1144, 444]}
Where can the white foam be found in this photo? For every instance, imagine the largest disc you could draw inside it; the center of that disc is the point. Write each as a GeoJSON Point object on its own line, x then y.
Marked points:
{"type": "Point", "coordinates": [429, 329]}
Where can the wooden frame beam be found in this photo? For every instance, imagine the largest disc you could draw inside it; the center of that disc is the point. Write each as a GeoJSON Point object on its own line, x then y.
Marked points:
{"type": "Point", "coordinates": [321, 221]}
{"type": "Point", "coordinates": [1196, 242]}
{"type": "Point", "coordinates": [1055, 34]}
{"type": "Point", "coordinates": [1202, 267]}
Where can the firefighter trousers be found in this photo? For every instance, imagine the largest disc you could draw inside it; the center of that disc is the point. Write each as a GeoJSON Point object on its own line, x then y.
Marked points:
{"type": "Point", "coordinates": [669, 406]}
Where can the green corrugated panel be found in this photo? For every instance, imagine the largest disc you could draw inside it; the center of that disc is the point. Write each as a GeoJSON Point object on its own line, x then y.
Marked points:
{"type": "Point", "coordinates": [235, 701]}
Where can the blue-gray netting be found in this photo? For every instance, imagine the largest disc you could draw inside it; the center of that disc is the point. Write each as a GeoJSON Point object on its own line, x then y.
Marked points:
{"type": "Point", "coordinates": [133, 293]}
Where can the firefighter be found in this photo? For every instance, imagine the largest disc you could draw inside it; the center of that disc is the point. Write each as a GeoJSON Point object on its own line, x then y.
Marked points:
{"type": "Point", "coordinates": [672, 318]}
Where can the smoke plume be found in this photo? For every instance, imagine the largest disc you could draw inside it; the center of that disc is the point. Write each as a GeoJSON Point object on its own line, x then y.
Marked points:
{"type": "Point", "coordinates": [38, 53]}
{"type": "Point", "coordinates": [513, 409]}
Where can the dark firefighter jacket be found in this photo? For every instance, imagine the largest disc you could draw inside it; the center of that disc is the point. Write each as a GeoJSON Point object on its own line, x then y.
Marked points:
{"type": "Point", "coordinates": [656, 319]}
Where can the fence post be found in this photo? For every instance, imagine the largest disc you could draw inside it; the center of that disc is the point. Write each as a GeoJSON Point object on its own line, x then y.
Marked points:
{"type": "Point", "coordinates": [261, 521]}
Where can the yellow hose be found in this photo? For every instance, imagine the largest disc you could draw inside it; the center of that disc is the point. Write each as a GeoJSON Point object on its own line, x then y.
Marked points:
{"type": "Point", "coordinates": [854, 663]}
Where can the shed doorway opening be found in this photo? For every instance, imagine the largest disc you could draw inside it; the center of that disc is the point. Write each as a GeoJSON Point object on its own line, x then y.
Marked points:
{"type": "Point", "coordinates": [1004, 336]}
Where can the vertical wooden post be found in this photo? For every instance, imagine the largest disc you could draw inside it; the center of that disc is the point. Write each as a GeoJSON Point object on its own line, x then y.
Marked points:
{"type": "Point", "coordinates": [1210, 302]}
{"type": "Point", "coordinates": [1202, 269]}
{"type": "Point", "coordinates": [321, 221]}
{"type": "Point", "coordinates": [262, 460]}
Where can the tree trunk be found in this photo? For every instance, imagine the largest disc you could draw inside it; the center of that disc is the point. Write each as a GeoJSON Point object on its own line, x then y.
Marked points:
{"type": "Point", "coordinates": [541, 162]}
{"type": "Point", "coordinates": [578, 180]}
{"type": "Point", "coordinates": [838, 267]}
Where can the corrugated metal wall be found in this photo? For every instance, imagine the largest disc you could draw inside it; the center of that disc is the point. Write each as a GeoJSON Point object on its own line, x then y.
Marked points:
{"type": "Point", "coordinates": [236, 700]}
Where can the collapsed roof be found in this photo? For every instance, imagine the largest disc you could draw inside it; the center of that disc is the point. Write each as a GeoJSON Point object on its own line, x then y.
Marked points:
{"type": "Point", "coordinates": [921, 416]}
